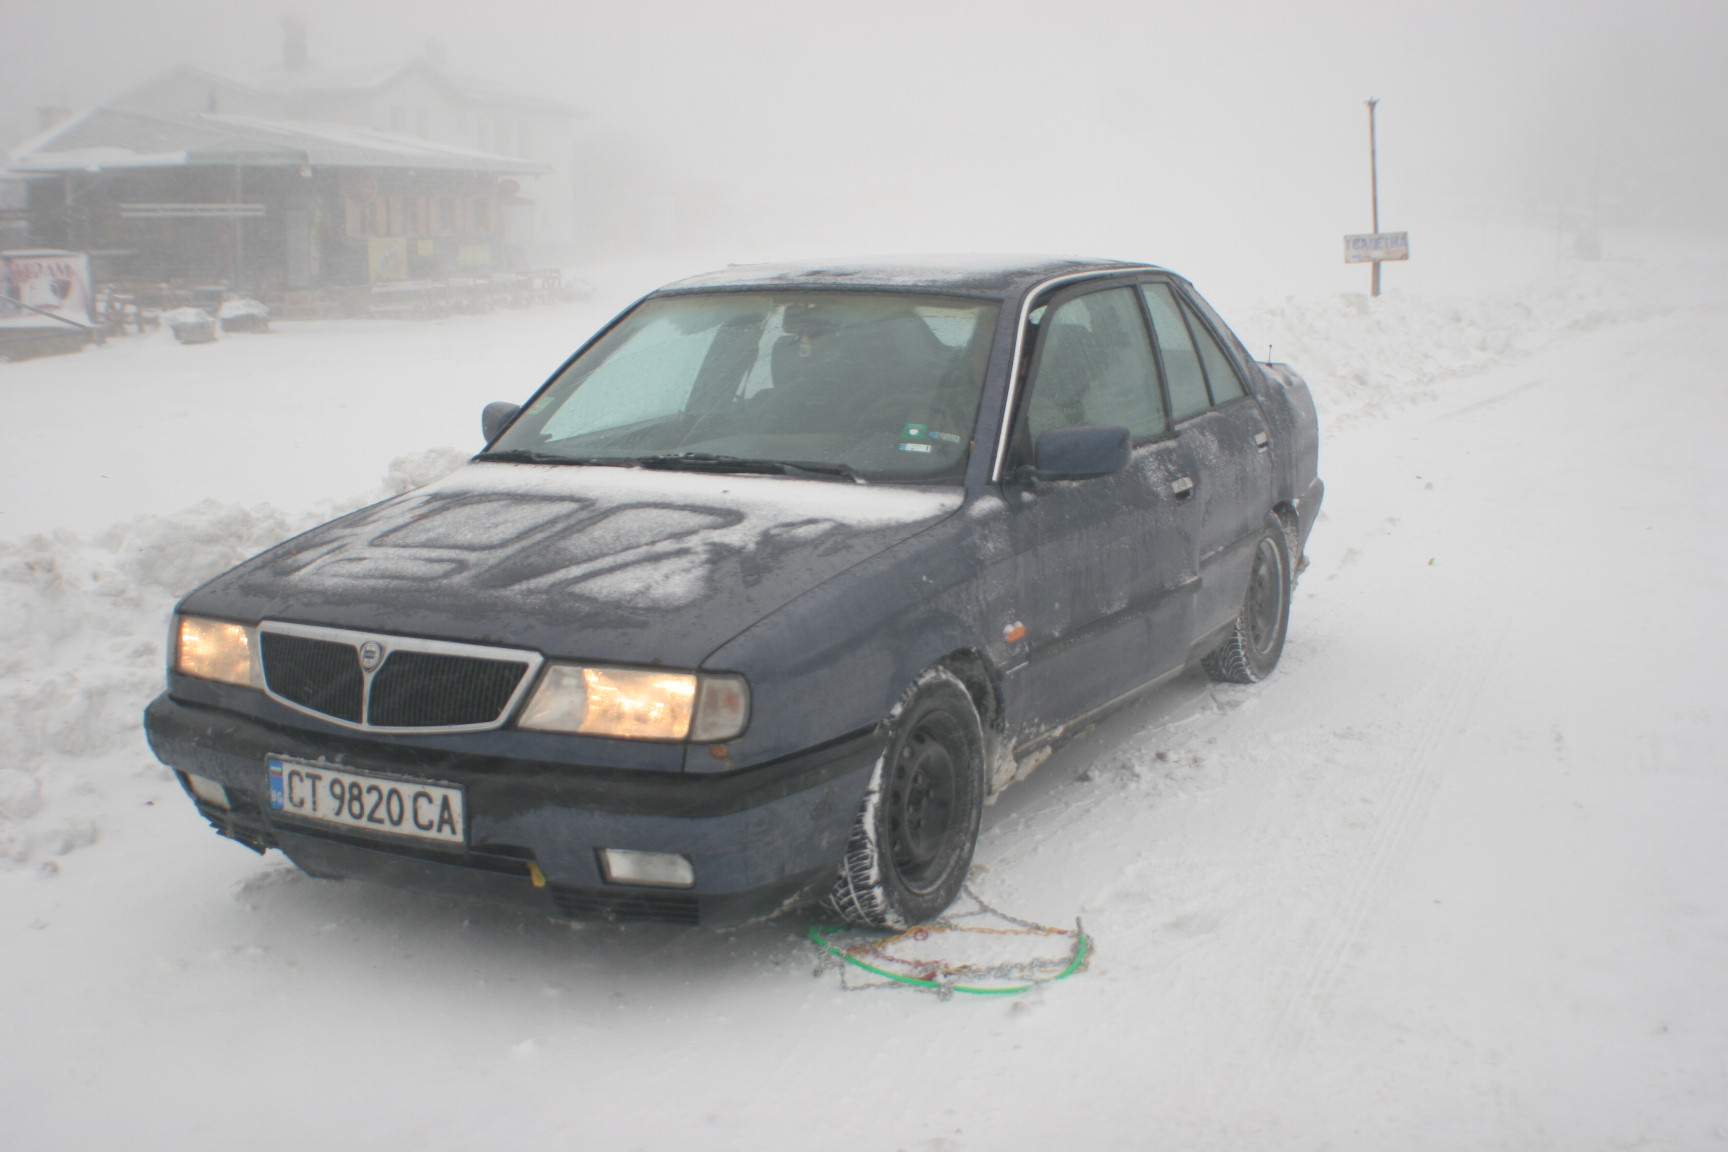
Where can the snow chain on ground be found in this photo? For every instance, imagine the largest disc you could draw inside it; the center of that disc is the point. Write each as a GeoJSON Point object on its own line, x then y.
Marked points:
{"type": "Point", "coordinates": [943, 977]}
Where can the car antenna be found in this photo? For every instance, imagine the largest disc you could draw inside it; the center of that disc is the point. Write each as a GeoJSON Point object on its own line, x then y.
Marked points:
{"type": "Point", "coordinates": [1268, 354]}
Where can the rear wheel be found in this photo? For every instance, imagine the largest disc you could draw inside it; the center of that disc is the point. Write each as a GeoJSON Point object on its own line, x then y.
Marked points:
{"type": "Point", "coordinates": [911, 846]}
{"type": "Point", "coordinates": [1256, 641]}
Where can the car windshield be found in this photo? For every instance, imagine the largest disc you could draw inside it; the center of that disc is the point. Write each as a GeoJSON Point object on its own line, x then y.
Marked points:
{"type": "Point", "coordinates": [864, 385]}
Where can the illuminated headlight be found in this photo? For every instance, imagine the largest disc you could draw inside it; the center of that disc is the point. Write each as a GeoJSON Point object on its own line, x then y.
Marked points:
{"type": "Point", "coordinates": [638, 703]}
{"type": "Point", "coordinates": [215, 650]}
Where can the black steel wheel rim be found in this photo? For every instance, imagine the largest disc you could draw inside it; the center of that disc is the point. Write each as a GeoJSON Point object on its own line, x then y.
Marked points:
{"type": "Point", "coordinates": [1265, 598]}
{"type": "Point", "coordinates": [924, 800]}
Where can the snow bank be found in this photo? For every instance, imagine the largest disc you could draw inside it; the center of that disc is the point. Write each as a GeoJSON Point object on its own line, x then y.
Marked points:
{"type": "Point", "coordinates": [82, 628]}
{"type": "Point", "coordinates": [1365, 357]}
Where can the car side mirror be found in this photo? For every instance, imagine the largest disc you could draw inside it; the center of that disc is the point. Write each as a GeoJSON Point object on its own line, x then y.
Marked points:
{"type": "Point", "coordinates": [496, 417]}
{"type": "Point", "coordinates": [1082, 452]}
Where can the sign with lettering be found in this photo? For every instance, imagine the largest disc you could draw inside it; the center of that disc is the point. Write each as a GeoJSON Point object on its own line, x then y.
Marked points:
{"type": "Point", "coordinates": [43, 286]}
{"type": "Point", "coordinates": [1376, 246]}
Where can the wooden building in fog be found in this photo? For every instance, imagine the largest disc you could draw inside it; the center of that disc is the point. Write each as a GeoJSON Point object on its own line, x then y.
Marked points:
{"type": "Point", "coordinates": [267, 205]}
{"type": "Point", "coordinates": [303, 178]}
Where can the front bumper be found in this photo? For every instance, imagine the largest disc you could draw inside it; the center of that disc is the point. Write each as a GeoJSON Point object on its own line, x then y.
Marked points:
{"type": "Point", "coordinates": [761, 838]}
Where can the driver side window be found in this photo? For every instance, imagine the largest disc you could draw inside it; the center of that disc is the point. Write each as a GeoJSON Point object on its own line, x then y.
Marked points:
{"type": "Point", "coordinates": [1095, 366]}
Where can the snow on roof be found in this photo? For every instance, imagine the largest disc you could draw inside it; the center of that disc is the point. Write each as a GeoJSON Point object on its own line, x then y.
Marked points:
{"type": "Point", "coordinates": [329, 78]}
{"type": "Point", "coordinates": [994, 274]}
{"type": "Point", "coordinates": [359, 76]}
{"type": "Point", "coordinates": [107, 138]}
{"type": "Point", "coordinates": [331, 144]}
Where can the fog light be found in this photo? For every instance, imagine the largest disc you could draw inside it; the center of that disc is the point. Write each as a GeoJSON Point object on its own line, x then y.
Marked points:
{"type": "Point", "coordinates": [659, 869]}
{"type": "Point", "coordinates": [207, 790]}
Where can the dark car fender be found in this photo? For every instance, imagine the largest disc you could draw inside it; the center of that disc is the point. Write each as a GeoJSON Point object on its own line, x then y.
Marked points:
{"type": "Point", "coordinates": [1294, 425]}
{"type": "Point", "coordinates": [1289, 407]}
{"type": "Point", "coordinates": [881, 624]}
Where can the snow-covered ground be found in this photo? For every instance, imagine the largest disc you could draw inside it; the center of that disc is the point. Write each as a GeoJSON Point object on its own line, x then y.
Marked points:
{"type": "Point", "coordinates": [1454, 878]}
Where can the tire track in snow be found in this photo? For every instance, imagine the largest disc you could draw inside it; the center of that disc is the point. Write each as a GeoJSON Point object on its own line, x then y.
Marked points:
{"type": "Point", "coordinates": [1417, 777]}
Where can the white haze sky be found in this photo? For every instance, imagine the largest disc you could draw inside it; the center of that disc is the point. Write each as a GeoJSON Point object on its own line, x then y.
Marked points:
{"type": "Point", "coordinates": [1212, 137]}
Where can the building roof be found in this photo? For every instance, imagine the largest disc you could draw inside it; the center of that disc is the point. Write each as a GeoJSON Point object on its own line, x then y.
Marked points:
{"type": "Point", "coordinates": [361, 77]}
{"type": "Point", "coordinates": [105, 138]}
{"type": "Point", "coordinates": [279, 87]}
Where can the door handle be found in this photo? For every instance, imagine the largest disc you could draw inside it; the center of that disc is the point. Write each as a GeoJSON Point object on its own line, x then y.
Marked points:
{"type": "Point", "coordinates": [1182, 487]}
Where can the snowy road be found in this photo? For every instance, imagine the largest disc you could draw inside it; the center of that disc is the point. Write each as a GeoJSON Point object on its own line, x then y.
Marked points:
{"type": "Point", "coordinates": [1454, 878]}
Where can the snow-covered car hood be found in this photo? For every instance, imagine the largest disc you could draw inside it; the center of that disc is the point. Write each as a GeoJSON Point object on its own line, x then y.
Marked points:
{"type": "Point", "coordinates": [601, 563]}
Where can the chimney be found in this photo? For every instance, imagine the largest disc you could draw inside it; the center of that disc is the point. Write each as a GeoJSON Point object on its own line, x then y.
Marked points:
{"type": "Point", "coordinates": [293, 44]}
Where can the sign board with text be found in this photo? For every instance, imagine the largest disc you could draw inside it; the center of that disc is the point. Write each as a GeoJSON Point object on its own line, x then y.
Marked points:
{"type": "Point", "coordinates": [39, 287]}
{"type": "Point", "coordinates": [1376, 246]}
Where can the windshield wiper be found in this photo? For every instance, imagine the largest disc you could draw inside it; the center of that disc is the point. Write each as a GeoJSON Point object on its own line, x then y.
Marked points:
{"type": "Point", "coordinates": [530, 456]}
{"type": "Point", "coordinates": [711, 462]}
{"type": "Point", "coordinates": [675, 462]}
{"type": "Point", "coordinates": [827, 470]}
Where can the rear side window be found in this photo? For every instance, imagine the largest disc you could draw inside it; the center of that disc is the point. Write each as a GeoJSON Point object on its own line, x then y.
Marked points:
{"type": "Point", "coordinates": [1095, 366]}
{"type": "Point", "coordinates": [1220, 373]}
{"type": "Point", "coordinates": [1182, 370]}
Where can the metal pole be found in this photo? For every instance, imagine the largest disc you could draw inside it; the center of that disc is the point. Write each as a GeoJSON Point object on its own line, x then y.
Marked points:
{"type": "Point", "coordinates": [239, 223]}
{"type": "Point", "coordinates": [1374, 187]}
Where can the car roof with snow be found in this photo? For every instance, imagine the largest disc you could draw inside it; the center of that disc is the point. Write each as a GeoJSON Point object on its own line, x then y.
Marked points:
{"type": "Point", "coordinates": [998, 276]}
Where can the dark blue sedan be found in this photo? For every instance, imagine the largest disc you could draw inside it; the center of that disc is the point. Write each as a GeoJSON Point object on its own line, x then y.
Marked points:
{"type": "Point", "coordinates": [761, 596]}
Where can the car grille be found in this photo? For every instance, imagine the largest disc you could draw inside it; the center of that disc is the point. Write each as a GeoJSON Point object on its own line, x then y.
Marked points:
{"type": "Point", "coordinates": [319, 675]}
{"type": "Point", "coordinates": [415, 685]}
{"type": "Point", "coordinates": [417, 689]}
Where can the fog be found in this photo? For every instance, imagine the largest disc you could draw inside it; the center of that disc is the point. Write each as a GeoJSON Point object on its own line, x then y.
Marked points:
{"type": "Point", "coordinates": [1227, 140]}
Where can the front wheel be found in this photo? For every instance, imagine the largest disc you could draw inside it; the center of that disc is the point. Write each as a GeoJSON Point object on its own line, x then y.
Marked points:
{"type": "Point", "coordinates": [1251, 651]}
{"type": "Point", "coordinates": [911, 846]}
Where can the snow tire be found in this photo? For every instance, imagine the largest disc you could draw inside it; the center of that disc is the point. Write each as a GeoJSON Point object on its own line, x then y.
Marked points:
{"type": "Point", "coordinates": [911, 846]}
{"type": "Point", "coordinates": [1256, 640]}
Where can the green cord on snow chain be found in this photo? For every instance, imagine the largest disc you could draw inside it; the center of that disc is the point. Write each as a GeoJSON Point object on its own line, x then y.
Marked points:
{"type": "Point", "coordinates": [1077, 961]}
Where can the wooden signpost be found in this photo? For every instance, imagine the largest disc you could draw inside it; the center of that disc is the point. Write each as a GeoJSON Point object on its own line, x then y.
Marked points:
{"type": "Point", "coordinates": [1375, 247]}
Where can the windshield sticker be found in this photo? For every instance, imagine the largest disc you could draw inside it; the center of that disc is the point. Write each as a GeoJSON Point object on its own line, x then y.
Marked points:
{"type": "Point", "coordinates": [907, 447]}
{"type": "Point", "coordinates": [912, 432]}
{"type": "Point", "coordinates": [945, 437]}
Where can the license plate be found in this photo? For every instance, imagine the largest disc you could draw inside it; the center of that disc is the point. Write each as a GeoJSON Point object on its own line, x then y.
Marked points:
{"type": "Point", "coordinates": [326, 794]}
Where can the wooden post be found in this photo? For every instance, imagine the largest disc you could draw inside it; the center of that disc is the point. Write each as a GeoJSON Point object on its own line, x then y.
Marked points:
{"type": "Point", "coordinates": [1374, 188]}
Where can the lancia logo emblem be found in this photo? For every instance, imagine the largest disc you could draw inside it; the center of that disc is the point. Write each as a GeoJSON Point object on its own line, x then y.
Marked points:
{"type": "Point", "coordinates": [371, 655]}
